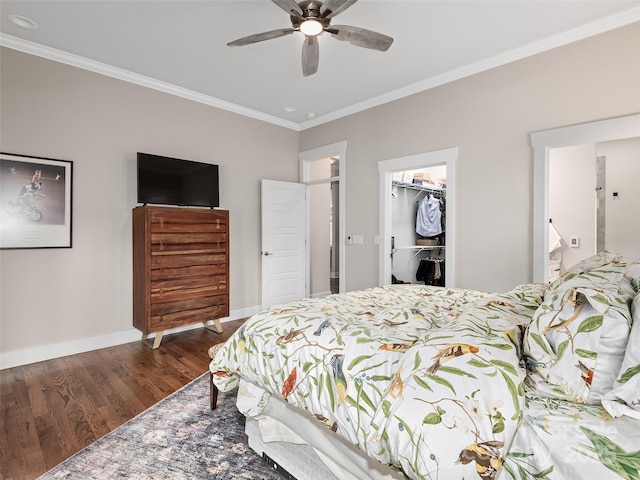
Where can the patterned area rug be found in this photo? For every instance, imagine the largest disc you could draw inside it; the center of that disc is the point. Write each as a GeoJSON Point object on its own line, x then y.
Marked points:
{"type": "Point", "coordinates": [178, 438]}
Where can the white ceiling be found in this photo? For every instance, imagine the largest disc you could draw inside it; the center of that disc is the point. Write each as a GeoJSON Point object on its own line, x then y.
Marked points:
{"type": "Point", "coordinates": [179, 46]}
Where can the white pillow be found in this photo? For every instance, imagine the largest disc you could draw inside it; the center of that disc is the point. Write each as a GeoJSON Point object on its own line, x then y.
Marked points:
{"type": "Point", "coordinates": [624, 399]}
{"type": "Point", "coordinates": [632, 275]}
{"type": "Point", "coordinates": [576, 342]}
{"type": "Point", "coordinates": [586, 265]}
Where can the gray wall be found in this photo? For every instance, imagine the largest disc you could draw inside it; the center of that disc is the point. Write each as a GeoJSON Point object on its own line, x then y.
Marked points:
{"type": "Point", "coordinates": [58, 297]}
{"type": "Point", "coordinates": [49, 109]}
{"type": "Point", "coordinates": [489, 117]}
{"type": "Point", "coordinates": [622, 223]}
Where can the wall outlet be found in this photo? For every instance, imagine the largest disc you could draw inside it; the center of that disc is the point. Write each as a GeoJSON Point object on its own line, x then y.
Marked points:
{"type": "Point", "coordinates": [574, 242]}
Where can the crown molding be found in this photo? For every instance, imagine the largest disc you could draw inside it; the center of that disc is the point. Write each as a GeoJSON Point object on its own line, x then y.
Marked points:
{"type": "Point", "coordinates": [78, 61]}
{"type": "Point", "coordinates": [595, 28]}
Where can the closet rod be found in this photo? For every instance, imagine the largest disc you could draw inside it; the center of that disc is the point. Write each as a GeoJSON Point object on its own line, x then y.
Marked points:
{"type": "Point", "coordinates": [414, 186]}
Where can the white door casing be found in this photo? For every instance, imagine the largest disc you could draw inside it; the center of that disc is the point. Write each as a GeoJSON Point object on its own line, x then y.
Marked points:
{"type": "Point", "coordinates": [283, 231]}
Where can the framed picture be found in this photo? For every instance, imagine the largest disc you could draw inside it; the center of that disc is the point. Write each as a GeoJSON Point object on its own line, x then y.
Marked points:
{"type": "Point", "coordinates": [35, 202]}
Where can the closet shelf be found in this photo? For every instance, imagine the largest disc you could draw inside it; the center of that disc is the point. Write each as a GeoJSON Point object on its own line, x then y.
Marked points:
{"type": "Point", "coordinates": [417, 249]}
{"type": "Point", "coordinates": [414, 186]}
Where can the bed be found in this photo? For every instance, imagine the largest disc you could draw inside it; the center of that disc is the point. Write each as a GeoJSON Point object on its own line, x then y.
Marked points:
{"type": "Point", "coordinates": [422, 382]}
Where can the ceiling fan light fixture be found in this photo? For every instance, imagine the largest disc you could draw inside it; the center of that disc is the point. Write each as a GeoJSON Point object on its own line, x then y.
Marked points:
{"type": "Point", "coordinates": [311, 27]}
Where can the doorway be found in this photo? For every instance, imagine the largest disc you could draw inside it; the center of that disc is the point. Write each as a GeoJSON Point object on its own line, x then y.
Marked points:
{"type": "Point", "coordinates": [322, 171]}
{"type": "Point", "coordinates": [542, 143]}
{"type": "Point", "coordinates": [323, 206]}
{"type": "Point", "coordinates": [592, 194]}
{"type": "Point", "coordinates": [387, 168]}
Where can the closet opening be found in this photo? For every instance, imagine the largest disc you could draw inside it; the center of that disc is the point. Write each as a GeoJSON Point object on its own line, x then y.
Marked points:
{"type": "Point", "coordinates": [418, 226]}
{"type": "Point", "coordinates": [417, 246]}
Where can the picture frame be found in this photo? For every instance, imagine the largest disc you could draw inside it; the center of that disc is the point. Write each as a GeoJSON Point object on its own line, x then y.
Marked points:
{"type": "Point", "coordinates": [35, 202]}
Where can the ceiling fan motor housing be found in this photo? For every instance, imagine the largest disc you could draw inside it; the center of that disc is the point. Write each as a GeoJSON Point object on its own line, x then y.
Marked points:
{"type": "Point", "coordinates": [310, 11]}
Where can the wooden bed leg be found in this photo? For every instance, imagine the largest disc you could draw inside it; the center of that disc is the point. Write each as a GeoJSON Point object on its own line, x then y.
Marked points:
{"type": "Point", "coordinates": [213, 392]}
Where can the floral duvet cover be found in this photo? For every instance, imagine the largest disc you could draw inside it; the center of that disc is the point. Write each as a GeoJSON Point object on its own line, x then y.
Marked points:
{"type": "Point", "coordinates": [425, 379]}
{"type": "Point", "coordinates": [563, 440]}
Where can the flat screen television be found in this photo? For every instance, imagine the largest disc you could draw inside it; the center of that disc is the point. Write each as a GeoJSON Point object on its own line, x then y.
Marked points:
{"type": "Point", "coordinates": [172, 181]}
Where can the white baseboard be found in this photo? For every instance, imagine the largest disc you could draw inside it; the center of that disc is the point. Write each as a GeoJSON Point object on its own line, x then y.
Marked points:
{"type": "Point", "coordinates": [47, 352]}
{"type": "Point", "coordinates": [320, 294]}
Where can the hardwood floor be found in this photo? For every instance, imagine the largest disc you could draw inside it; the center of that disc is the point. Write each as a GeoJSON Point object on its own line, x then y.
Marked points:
{"type": "Point", "coordinates": [51, 410]}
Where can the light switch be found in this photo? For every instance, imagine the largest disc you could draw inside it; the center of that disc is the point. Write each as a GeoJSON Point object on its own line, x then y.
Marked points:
{"type": "Point", "coordinates": [358, 239]}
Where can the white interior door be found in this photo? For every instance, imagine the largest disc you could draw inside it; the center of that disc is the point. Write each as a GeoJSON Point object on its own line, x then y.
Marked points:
{"type": "Point", "coordinates": [283, 242]}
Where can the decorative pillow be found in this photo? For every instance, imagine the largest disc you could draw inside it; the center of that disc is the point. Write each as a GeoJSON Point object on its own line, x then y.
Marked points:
{"type": "Point", "coordinates": [586, 265]}
{"type": "Point", "coordinates": [632, 275]}
{"type": "Point", "coordinates": [624, 399]}
{"type": "Point", "coordinates": [575, 343]}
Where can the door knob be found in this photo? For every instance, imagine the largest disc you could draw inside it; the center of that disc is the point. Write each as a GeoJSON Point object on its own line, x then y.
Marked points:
{"type": "Point", "coordinates": [266, 253]}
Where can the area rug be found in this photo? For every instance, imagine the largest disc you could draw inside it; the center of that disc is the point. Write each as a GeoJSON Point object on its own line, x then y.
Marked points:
{"type": "Point", "coordinates": [178, 438]}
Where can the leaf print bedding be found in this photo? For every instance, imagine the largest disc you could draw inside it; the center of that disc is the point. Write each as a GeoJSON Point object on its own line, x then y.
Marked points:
{"type": "Point", "coordinates": [426, 379]}
{"type": "Point", "coordinates": [562, 440]}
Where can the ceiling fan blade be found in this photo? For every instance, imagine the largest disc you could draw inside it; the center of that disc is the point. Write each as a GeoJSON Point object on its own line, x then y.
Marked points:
{"type": "Point", "coordinates": [331, 8]}
{"type": "Point", "coordinates": [361, 37]}
{"type": "Point", "coordinates": [289, 6]}
{"type": "Point", "coordinates": [260, 37]}
{"type": "Point", "coordinates": [310, 56]}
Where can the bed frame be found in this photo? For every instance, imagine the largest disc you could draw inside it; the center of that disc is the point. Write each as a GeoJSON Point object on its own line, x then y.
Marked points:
{"type": "Point", "coordinates": [299, 447]}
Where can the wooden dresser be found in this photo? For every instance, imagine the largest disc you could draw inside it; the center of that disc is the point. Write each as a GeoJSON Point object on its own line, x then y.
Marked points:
{"type": "Point", "coordinates": [180, 268]}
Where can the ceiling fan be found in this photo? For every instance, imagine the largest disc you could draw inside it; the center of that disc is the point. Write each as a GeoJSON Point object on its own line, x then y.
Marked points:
{"type": "Point", "coordinates": [312, 17]}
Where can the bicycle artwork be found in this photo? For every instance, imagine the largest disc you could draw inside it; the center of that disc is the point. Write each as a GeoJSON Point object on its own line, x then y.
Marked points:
{"type": "Point", "coordinates": [25, 205]}
{"type": "Point", "coordinates": [35, 196]}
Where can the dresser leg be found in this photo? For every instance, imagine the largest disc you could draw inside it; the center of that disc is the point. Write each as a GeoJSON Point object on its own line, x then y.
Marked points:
{"type": "Point", "coordinates": [216, 327]}
{"type": "Point", "coordinates": [156, 340]}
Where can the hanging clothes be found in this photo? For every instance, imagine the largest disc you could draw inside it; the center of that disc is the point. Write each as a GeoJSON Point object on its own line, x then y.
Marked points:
{"type": "Point", "coordinates": [443, 214]}
{"type": "Point", "coordinates": [431, 273]}
{"type": "Point", "coordinates": [428, 222]}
